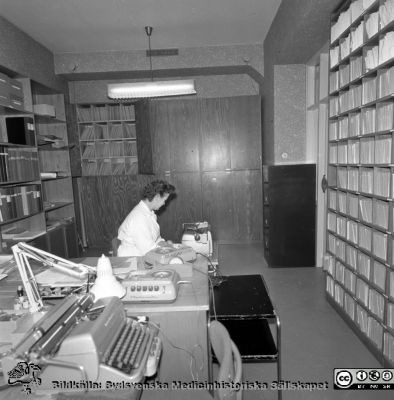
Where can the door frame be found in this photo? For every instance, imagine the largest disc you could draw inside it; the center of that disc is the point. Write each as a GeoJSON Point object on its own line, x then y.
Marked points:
{"type": "Point", "coordinates": [317, 71]}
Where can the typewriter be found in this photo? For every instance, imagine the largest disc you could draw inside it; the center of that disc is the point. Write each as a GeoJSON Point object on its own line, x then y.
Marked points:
{"type": "Point", "coordinates": [85, 345]}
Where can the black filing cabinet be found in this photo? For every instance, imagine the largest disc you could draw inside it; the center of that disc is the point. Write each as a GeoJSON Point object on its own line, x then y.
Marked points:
{"type": "Point", "coordinates": [289, 196]}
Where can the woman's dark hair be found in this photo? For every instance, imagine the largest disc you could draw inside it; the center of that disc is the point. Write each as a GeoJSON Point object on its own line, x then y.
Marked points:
{"type": "Point", "coordinates": [157, 187]}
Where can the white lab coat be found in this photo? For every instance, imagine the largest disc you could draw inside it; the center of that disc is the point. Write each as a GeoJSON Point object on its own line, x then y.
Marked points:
{"type": "Point", "coordinates": [139, 232]}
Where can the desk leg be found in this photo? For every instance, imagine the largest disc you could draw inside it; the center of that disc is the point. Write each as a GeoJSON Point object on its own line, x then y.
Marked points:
{"type": "Point", "coordinates": [278, 345]}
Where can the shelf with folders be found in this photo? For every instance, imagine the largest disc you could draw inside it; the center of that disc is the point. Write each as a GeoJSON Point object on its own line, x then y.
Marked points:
{"type": "Point", "coordinates": [359, 28]}
{"type": "Point", "coordinates": [376, 149]}
{"type": "Point", "coordinates": [110, 166]}
{"type": "Point", "coordinates": [366, 311]}
{"type": "Point", "coordinates": [373, 181]}
{"type": "Point", "coordinates": [373, 118]}
{"type": "Point", "coordinates": [107, 135]}
{"type": "Point", "coordinates": [360, 98]}
{"type": "Point", "coordinates": [363, 216]}
{"type": "Point", "coordinates": [361, 209]}
{"type": "Point", "coordinates": [360, 222]}
{"type": "Point", "coordinates": [364, 63]}
{"type": "Point", "coordinates": [105, 112]}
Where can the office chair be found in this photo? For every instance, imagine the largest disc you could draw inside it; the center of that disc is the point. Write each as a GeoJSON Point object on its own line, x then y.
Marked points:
{"type": "Point", "coordinates": [229, 358]}
{"type": "Point", "coordinates": [115, 242]}
{"type": "Point", "coordinates": [230, 370]}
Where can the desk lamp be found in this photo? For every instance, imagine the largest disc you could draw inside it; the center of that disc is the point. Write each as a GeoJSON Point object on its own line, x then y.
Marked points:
{"type": "Point", "coordinates": [106, 284]}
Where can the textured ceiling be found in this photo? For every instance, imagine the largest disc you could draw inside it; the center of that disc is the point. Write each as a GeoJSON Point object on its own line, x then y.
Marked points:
{"type": "Point", "coordinates": [103, 25]}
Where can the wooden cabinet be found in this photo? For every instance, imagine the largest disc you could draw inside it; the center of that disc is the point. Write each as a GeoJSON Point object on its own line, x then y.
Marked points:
{"type": "Point", "coordinates": [201, 134]}
{"type": "Point", "coordinates": [289, 215]}
{"type": "Point", "coordinates": [182, 141]}
{"type": "Point", "coordinates": [186, 206]}
{"type": "Point", "coordinates": [232, 204]}
{"type": "Point", "coordinates": [169, 133]}
{"type": "Point", "coordinates": [111, 198]}
{"type": "Point", "coordinates": [231, 133]}
{"type": "Point", "coordinates": [144, 127]}
{"type": "Point", "coordinates": [210, 149]}
{"type": "Point", "coordinates": [215, 144]}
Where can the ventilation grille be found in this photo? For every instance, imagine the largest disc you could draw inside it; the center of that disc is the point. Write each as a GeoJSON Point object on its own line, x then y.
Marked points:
{"type": "Point", "coordinates": [162, 52]}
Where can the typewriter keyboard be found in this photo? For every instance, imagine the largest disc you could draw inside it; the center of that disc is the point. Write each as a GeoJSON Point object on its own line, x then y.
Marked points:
{"type": "Point", "coordinates": [127, 349]}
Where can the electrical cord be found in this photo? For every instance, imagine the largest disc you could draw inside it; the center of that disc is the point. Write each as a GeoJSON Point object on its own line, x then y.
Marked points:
{"type": "Point", "coordinates": [190, 353]}
{"type": "Point", "coordinates": [211, 288]}
{"type": "Point", "coordinates": [215, 275]}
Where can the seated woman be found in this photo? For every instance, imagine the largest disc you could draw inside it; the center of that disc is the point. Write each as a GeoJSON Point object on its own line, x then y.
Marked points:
{"type": "Point", "coordinates": [140, 232]}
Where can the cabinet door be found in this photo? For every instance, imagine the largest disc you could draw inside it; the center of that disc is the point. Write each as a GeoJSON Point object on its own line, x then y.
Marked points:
{"type": "Point", "coordinates": [185, 206]}
{"type": "Point", "coordinates": [291, 218]}
{"type": "Point", "coordinates": [184, 127]}
{"type": "Point", "coordinates": [247, 205]}
{"type": "Point", "coordinates": [106, 202]}
{"type": "Point", "coordinates": [57, 242]}
{"type": "Point", "coordinates": [159, 130]}
{"type": "Point", "coordinates": [244, 120]}
{"type": "Point", "coordinates": [232, 204]}
{"type": "Point", "coordinates": [175, 130]}
{"type": "Point", "coordinates": [217, 206]}
{"type": "Point", "coordinates": [144, 140]}
{"type": "Point", "coordinates": [215, 148]}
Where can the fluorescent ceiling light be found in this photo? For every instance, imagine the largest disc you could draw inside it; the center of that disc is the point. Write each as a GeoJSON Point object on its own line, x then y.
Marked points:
{"type": "Point", "coordinates": [136, 90]}
{"type": "Point", "coordinates": [141, 90]}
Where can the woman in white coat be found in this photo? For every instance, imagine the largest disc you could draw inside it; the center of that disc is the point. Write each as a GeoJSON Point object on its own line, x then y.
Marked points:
{"type": "Point", "coordinates": [140, 232]}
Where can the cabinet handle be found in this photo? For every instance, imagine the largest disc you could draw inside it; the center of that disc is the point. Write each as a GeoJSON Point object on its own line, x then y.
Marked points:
{"type": "Point", "coordinates": [324, 183]}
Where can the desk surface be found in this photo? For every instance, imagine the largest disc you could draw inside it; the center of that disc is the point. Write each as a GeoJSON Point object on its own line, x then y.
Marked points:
{"type": "Point", "coordinates": [184, 321]}
{"type": "Point", "coordinates": [243, 296]}
{"type": "Point", "coordinates": [191, 296]}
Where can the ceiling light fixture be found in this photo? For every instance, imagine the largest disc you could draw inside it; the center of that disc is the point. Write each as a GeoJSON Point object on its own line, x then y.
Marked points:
{"type": "Point", "coordinates": [137, 90]}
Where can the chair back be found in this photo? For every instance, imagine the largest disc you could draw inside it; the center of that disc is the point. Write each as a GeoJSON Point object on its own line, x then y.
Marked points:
{"type": "Point", "coordinates": [229, 358]}
{"type": "Point", "coordinates": [115, 242]}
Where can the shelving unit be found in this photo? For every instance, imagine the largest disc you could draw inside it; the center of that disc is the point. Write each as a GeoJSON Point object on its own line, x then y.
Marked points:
{"type": "Point", "coordinates": [360, 220]}
{"type": "Point", "coordinates": [34, 141]}
{"type": "Point", "coordinates": [107, 137]}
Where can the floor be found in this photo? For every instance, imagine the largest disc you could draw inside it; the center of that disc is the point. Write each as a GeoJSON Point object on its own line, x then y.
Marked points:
{"type": "Point", "coordinates": [315, 339]}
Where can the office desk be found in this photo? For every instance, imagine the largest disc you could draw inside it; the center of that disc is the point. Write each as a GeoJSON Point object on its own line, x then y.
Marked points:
{"type": "Point", "coordinates": [183, 325]}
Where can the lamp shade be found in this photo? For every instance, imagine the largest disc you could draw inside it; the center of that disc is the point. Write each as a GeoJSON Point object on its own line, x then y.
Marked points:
{"type": "Point", "coordinates": [106, 284]}
{"type": "Point", "coordinates": [138, 90]}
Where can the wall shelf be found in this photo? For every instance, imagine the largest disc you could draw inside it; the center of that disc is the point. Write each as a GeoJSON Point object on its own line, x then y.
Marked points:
{"type": "Point", "coordinates": [359, 262]}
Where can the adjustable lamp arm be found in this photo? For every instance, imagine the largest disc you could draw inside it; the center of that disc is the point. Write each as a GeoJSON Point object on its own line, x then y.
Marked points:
{"type": "Point", "coordinates": [22, 252]}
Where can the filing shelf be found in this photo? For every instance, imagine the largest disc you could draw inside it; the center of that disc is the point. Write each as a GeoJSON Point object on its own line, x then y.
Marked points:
{"type": "Point", "coordinates": [107, 135]}
{"type": "Point", "coordinates": [360, 253]}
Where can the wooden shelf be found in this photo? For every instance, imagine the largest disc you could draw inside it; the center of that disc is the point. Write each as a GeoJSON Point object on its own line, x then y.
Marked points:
{"type": "Point", "coordinates": [363, 233]}
{"type": "Point", "coordinates": [107, 135]}
{"type": "Point", "coordinates": [29, 192]}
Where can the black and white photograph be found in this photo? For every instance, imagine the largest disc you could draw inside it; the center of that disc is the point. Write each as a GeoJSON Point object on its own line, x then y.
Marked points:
{"type": "Point", "coordinates": [197, 199]}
